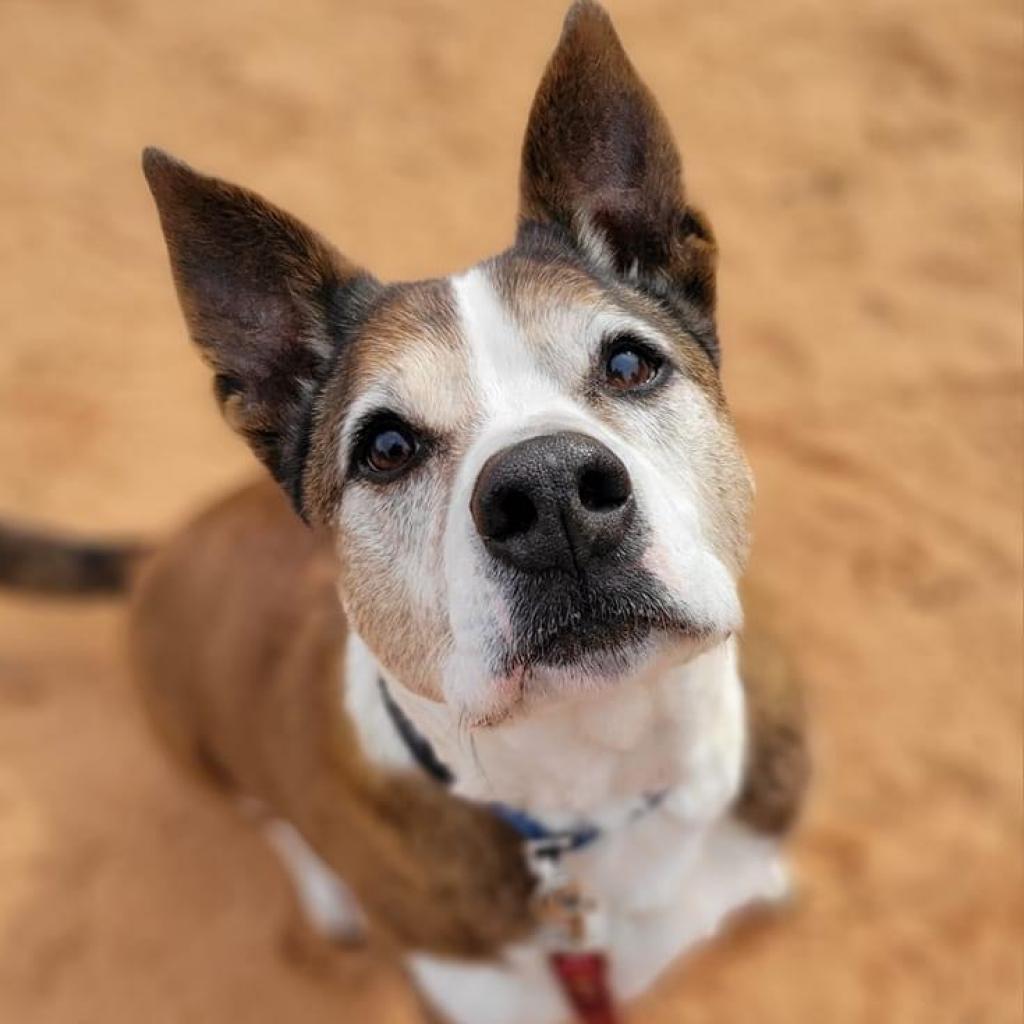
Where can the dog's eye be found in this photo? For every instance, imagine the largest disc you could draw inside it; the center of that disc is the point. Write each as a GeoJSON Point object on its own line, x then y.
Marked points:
{"type": "Point", "coordinates": [389, 450]}
{"type": "Point", "coordinates": [629, 366]}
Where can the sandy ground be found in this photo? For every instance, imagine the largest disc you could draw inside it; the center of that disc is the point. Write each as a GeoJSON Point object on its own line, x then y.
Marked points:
{"type": "Point", "coordinates": [862, 165]}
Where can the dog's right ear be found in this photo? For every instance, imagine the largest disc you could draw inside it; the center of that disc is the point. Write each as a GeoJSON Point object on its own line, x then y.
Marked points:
{"type": "Point", "coordinates": [266, 300]}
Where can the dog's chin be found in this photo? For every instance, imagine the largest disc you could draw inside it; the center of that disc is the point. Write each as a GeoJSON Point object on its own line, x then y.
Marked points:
{"type": "Point", "coordinates": [570, 665]}
{"type": "Point", "coordinates": [565, 637]}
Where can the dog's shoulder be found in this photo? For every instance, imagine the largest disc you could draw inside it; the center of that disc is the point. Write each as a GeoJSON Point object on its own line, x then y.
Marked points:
{"type": "Point", "coordinates": [214, 611]}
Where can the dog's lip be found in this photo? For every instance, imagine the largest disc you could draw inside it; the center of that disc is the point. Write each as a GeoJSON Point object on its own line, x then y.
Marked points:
{"type": "Point", "coordinates": [614, 634]}
{"type": "Point", "coordinates": [614, 629]}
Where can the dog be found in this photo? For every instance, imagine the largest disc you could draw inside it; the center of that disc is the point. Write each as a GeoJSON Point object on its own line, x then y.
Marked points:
{"type": "Point", "coordinates": [471, 655]}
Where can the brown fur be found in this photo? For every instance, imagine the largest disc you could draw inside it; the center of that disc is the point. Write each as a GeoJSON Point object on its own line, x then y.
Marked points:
{"type": "Point", "coordinates": [237, 634]}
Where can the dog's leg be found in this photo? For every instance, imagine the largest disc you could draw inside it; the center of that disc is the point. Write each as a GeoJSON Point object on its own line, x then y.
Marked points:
{"type": "Point", "coordinates": [325, 900]}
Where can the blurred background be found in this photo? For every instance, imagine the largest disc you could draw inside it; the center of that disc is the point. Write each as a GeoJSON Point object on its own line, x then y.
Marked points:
{"type": "Point", "coordinates": [861, 163]}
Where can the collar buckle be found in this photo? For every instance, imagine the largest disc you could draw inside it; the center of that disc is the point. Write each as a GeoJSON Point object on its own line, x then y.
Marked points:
{"type": "Point", "coordinates": [570, 919]}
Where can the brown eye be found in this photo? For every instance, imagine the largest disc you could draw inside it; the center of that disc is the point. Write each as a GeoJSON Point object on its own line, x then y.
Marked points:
{"type": "Point", "coordinates": [629, 367]}
{"type": "Point", "coordinates": [390, 450]}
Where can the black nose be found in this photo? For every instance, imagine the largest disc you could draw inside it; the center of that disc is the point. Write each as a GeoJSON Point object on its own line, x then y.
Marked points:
{"type": "Point", "coordinates": [558, 501]}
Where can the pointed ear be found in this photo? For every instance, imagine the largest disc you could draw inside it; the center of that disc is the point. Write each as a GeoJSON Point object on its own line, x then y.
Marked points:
{"type": "Point", "coordinates": [266, 300]}
{"type": "Point", "coordinates": [599, 161]}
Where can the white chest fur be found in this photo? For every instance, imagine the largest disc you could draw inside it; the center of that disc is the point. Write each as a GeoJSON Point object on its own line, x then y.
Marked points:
{"type": "Point", "coordinates": [664, 881]}
{"type": "Point", "coordinates": [666, 885]}
{"type": "Point", "coordinates": [679, 727]}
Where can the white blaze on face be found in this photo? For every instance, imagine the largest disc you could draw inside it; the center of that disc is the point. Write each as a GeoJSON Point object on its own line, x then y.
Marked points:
{"type": "Point", "coordinates": [528, 376]}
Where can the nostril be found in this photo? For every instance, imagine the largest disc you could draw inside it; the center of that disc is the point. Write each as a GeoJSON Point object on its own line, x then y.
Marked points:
{"type": "Point", "coordinates": [603, 489]}
{"type": "Point", "coordinates": [512, 512]}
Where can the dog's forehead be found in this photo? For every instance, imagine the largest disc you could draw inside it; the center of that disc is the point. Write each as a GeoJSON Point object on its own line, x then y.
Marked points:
{"type": "Point", "coordinates": [441, 351]}
{"type": "Point", "coordinates": [525, 325]}
{"type": "Point", "coordinates": [499, 339]}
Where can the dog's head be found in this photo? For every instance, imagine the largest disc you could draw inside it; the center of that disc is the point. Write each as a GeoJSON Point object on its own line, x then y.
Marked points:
{"type": "Point", "coordinates": [529, 467]}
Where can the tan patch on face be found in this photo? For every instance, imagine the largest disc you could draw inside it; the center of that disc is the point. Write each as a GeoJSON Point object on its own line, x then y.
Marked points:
{"type": "Point", "coordinates": [400, 350]}
{"type": "Point", "coordinates": [409, 639]}
{"type": "Point", "coordinates": [416, 323]}
{"type": "Point", "coordinates": [409, 360]}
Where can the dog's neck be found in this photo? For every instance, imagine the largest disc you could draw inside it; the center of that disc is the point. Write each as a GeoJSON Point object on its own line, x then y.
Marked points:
{"type": "Point", "coordinates": [678, 728]}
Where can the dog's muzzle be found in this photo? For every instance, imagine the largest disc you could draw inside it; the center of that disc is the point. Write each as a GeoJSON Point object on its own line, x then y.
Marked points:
{"type": "Point", "coordinates": [559, 518]}
{"type": "Point", "coordinates": [558, 501]}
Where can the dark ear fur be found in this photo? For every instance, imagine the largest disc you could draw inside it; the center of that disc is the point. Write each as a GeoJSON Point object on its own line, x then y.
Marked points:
{"type": "Point", "coordinates": [266, 300]}
{"type": "Point", "coordinates": [600, 162]}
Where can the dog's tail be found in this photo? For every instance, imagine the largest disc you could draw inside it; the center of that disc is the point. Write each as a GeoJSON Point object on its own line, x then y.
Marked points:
{"type": "Point", "coordinates": [53, 564]}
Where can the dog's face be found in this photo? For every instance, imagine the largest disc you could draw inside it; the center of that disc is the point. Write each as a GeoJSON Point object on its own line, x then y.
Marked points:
{"type": "Point", "coordinates": [540, 484]}
{"type": "Point", "coordinates": [529, 468]}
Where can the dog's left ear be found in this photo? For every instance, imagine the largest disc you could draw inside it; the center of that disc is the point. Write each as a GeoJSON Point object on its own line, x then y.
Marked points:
{"type": "Point", "coordinates": [599, 160]}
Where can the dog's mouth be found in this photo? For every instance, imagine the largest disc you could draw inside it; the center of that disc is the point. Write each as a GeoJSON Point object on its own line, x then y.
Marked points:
{"type": "Point", "coordinates": [592, 627]}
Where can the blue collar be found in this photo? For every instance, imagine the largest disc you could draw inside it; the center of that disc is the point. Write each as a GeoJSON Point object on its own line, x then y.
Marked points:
{"type": "Point", "coordinates": [536, 832]}
{"type": "Point", "coordinates": [528, 827]}
{"type": "Point", "coordinates": [416, 743]}
{"type": "Point", "coordinates": [546, 841]}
